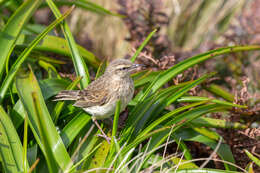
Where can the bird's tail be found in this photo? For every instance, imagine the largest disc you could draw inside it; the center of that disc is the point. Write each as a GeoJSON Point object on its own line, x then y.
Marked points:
{"type": "Point", "coordinates": [67, 95]}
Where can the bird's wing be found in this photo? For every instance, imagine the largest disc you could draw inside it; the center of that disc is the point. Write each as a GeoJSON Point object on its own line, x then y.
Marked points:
{"type": "Point", "coordinates": [96, 94]}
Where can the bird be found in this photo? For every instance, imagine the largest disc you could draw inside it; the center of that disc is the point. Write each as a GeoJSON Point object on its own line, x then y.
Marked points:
{"type": "Point", "coordinates": [100, 97]}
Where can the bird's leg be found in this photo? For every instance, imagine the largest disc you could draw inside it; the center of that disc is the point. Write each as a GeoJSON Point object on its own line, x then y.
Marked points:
{"type": "Point", "coordinates": [102, 132]}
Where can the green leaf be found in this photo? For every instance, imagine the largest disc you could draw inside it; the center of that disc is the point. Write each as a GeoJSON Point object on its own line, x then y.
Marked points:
{"type": "Point", "coordinates": [160, 103]}
{"type": "Point", "coordinates": [223, 151]}
{"type": "Point", "coordinates": [218, 91]}
{"type": "Point", "coordinates": [17, 114]}
{"type": "Point", "coordinates": [167, 116]}
{"type": "Point", "coordinates": [101, 69]}
{"type": "Point", "coordinates": [198, 99]}
{"type": "Point", "coordinates": [216, 123]}
{"type": "Point", "coordinates": [25, 141]}
{"type": "Point", "coordinates": [183, 147]}
{"type": "Point", "coordinates": [86, 5]}
{"type": "Point", "coordinates": [144, 77]}
{"type": "Point", "coordinates": [41, 123]}
{"type": "Point", "coordinates": [11, 151]}
{"type": "Point", "coordinates": [79, 65]}
{"type": "Point", "coordinates": [140, 48]}
{"type": "Point", "coordinates": [100, 155]}
{"type": "Point", "coordinates": [115, 124]}
{"type": "Point", "coordinates": [186, 88]}
{"type": "Point", "coordinates": [149, 108]}
{"type": "Point", "coordinates": [177, 121]}
{"type": "Point", "coordinates": [51, 70]}
{"type": "Point", "coordinates": [72, 169]}
{"type": "Point", "coordinates": [183, 164]}
{"type": "Point", "coordinates": [42, 133]}
{"type": "Point", "coordinates": [51, 87]}
{"type": "Point", "coordinates": [8, 79]}
{"type": "Point", "coordinates": [167, 75]}
{"type": "Point", "coordinates": [59, 45]}
{"type": "Point", "coordinates": [12, 30]}
{"type": "Point", "coordinates": [252, 157]}
{"type": "Point", "coordinates": [72, 129]}
{"type": "Point", "coordinates": [206, 132]}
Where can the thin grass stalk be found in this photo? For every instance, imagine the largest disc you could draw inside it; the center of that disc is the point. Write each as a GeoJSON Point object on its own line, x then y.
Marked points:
{"type": "Point", "coordinates": [72, 169]}
{"type": "Point", "coordinates": [34, 165]}
{"type": "Point", "coordinates": [252, 157]}
{"type": "Point", "coordinates": [79, 64]}
{"type": "Point", "coordinates": [212, 154]}
{"type": "Point", "coordinates": [140, 48]}
{"type": "Point", "coordinates": [25, 139]}
{"type": "Point", "coordinates": [115, 125]}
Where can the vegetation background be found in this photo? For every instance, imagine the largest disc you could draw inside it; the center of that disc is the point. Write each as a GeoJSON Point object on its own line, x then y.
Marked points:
{"type": "Point", "coordinates": [197, 102]}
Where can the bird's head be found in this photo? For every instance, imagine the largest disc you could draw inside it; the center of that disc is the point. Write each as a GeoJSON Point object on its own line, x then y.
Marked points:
{"type": "Point", "coordinates": [121, 67]}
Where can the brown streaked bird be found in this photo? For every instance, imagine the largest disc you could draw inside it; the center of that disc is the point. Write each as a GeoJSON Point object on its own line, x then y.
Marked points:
{"type": "Point", "coordinates": [100, 97]}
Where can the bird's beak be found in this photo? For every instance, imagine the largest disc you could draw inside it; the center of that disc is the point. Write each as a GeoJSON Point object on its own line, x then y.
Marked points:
{"type": "Point", "coordinates": [135, 66]}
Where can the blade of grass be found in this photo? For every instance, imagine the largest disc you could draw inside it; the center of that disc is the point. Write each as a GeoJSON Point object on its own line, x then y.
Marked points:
{"type": "Point", "coordinates": [147, 109]}
{"type": "Point", "coordinates": [59, 45]}
{"type": "Point", "coordinates": [51, 87]}
{"type": "Point", "coordinates": [42, 127]}
{"type": "Point", "coordinates": [72, 129]}
{"type": "Point", "coordinates": [101, 69]}
{"type": "Point", "coordinates": [44, 138]}
{"type": "Point", "coordinates": [115, 124]}
{"type": "Point", "coordinates": [12, 30]}
{"type": "Point", "coordinates": [11, 150]}
{"type": "Point", "coordinates": [72, 169]}
{"type": "Point", "coordinates": [86, 5]}
{"type": "Point", "coordinates": [98, 8]}
{"type": "Point", "coordinates": [167, 75]}
{"type": "Point", "coordinates": [147, 77]}
{"type": "Point", "coordinates": [252, 157]}
{"type": "Point", "coordinates": [140, 48]}
{"type": "Point", "coordinates": [50, 69]}
{"type": "Point", "coordinates": [79, 65]}
{"type": "Point", "coordinates": [186, 88]}
{"type": "Point", "coordinates": [153, 111]}
{"type": "Point", "coordinates": [8, 79]}
{"type": "Point", "coordinates": [114, 130]}
{"type": "Point", "coordinates": [179, 121]}
{"type": "Point", "coordinates": [182, 146]}
{"type": "Point", "coordinates": [197, 98]}
{"type": "Point", "coordinates": [25, 139]}
{"type": "Point", "coordinates": [216, 123]}
{"type": "Point", "coordinates": [224, 150]}
{"type": "Point", "coordinates": [167, 116]}
{"type": "Point", "coordinates": [206, 132]}
{"type": "Point", "coordinates": [218, 91]}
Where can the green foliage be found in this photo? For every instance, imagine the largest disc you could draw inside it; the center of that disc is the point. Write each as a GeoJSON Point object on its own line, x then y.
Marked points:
{"type": "Point", "coordinates": [12, 29]}
{"type": "Point", "coordinates": [11, 152]}
{"type": "Point", "coordinates": [64, 137]}
{"type": "Point", "coordinates": [253, 158]}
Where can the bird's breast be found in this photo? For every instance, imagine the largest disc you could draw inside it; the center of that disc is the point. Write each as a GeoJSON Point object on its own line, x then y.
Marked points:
{"type": "Point", "coordinates": [124, 90]}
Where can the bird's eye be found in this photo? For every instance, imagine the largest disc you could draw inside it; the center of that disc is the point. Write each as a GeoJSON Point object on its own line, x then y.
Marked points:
{"type": "Point", "coordinates": [123, 68]}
